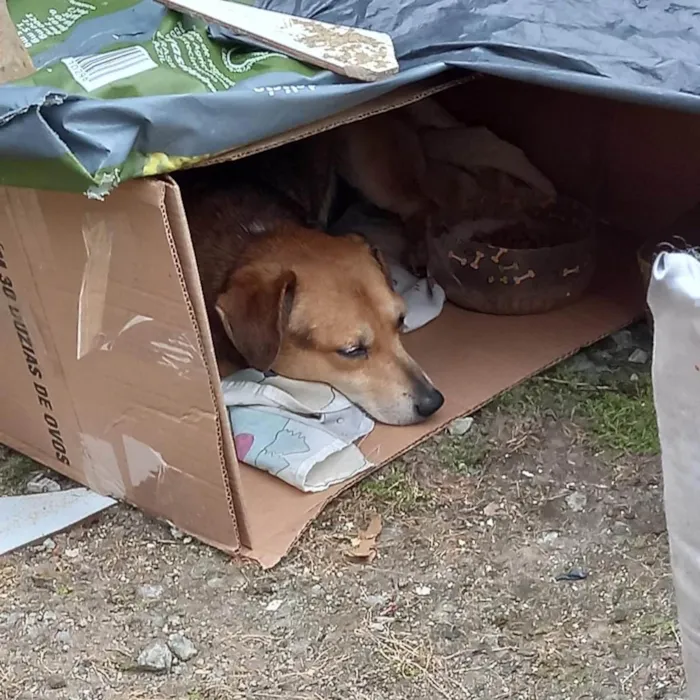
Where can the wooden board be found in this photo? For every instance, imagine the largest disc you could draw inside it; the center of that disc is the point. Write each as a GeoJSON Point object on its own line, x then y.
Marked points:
{"type": "Point", "coordinates": [360, 54]}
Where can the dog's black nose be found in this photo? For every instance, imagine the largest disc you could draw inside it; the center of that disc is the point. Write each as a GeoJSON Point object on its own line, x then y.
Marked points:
{"type": "Point", "coordinates": [429, 402]}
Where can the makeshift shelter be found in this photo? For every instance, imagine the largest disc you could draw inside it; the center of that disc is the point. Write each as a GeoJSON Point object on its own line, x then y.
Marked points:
{"type": "Point", "coordinates": [603, 96]}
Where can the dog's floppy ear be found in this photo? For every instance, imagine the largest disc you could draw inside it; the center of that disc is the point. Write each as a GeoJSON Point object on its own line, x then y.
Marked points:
{"type": "Point", "coordinates": [255, 309]}
{"type": "Point", "coordinates": [376, 254]}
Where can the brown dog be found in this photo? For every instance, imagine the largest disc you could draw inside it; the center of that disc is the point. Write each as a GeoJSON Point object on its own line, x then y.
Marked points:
{"type": "Point", "coordinates": [307, 305]}
{"type": "Point", "coordinates": [383, 158]}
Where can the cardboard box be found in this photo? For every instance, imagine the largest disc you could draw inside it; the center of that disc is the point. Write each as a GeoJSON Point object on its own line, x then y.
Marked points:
{"type": "Point", "coordinates": [108, 370]}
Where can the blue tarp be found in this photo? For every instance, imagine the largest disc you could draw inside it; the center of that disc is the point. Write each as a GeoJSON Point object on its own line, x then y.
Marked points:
{"type": "Point", "coordinates": [644, 51]}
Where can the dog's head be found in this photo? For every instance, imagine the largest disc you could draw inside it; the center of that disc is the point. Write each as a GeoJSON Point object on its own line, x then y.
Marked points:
{"type": "Point", "coordinates": [320, 308]}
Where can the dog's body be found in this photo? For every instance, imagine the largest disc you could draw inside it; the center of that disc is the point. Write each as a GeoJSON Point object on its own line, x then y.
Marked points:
{"type": "Point", "coordinates": [383, 159]}
{"type": "Point", "coordinates": [309, 306]}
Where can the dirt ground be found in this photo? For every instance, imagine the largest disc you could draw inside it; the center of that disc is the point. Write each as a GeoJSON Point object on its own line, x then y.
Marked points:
{"type": "Point", "coordinates": [560, 476]}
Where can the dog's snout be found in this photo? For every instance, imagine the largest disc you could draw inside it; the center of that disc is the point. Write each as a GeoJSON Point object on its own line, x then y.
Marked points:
{"type": "Point", "coordinates": [428, 401]}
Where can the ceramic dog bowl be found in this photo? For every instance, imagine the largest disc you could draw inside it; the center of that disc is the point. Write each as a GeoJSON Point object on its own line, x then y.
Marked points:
{"type": "Point", "coordinates": [529, 267]}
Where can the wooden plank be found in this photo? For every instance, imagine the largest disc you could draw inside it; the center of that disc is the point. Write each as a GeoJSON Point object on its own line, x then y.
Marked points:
{"type": "Point", "coordinates": [15, 62]}
{"type": "Point", "coordinates": [360, 54]}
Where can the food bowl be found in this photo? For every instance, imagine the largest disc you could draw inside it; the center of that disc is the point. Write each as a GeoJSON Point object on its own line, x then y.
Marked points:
{"type": "Point", "coordinates": [541, 263]}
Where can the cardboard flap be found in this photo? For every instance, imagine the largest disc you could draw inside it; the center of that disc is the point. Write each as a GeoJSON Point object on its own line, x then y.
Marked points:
{"type": "Point", "coordinates": [102, 295]}
{"type": "Point", "coordinates": [179, 230]}
{"type": "Point", "coordinates": [405, 95]}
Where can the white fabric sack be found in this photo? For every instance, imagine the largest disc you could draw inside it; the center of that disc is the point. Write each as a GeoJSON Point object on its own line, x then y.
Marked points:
{"type": "Point", "coordinates": [674, 298]}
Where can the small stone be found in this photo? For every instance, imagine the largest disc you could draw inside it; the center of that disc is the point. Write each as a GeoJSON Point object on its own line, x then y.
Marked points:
{"type": "Point", "coordinates": [274, 606]}
{"type": "Point", "coordinates": [619, 615]}
{"type": "Point", "coordinates": [638, 357]}
{"type": "Point", "coordinates": [491, 509]}
{"type": "Point", "coordinates": [620, 528]}
{"type": "Point", "coordinates": [13, 618]}
{"type": "Point", "coordinates": [40, 483]}
{"type": "Point", "coordinates": [56, 682]}
{"type": "Point", "coordinates": [71, 553]}
{"type": "Point", "coordinates": [582, 364]}
{"type": "Point", "coordinates": [602, 358]}
{"type": "Point", "coordinates": [63, 637]}
{"type": "Point", "coordinates": [423, 591]}
{"type": "Point", "coordinates": [376, 601]}
{"type": "Point", "coordinates": [576, 501]}
{"type": "Point", "coordinates": [623, 339]}
{"type": "Point", "coordinates": [48, 545]}
{"type": "Point", "coordinates": [316, 591]}
{"type": "Point", "coordinates": [548, 537]}
{"type": "Point", "coordinates": [460, 426]}
{"type": "Point", "coordinates": [151, 592]}
{"type": "Point", "coordinates": [156, 658]}
{"type": "Point", "coordinates": [182, 647]}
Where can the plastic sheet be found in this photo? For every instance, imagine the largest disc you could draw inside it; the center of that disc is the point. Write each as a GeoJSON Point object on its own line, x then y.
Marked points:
{"type": "Point", "coordinates": [132, 111]}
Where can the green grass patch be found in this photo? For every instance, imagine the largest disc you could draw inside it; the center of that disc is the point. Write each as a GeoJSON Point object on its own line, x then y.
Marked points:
{"type": "Point", "coordinates": [622, 418]}
{"type": "Point", "coordinates": [396, 487]}
{"type": "Point", "coordinates": [466, 454]}
{"type": "Point", "coordinates": [616, 412]}
{"type": "Point", "coordinates": [15, 470]}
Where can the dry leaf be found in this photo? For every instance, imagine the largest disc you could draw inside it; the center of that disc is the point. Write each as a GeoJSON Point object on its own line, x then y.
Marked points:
{"type": "Point", "coordinates": [374, 529]}
{"type": "Point", "coordinates": [364, 547]}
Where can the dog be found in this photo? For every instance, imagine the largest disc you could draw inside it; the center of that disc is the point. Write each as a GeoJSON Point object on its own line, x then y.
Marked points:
{"type": "Point", "coordinates": [383, 158]}
{"type": "Point", "coordinates": [285, 297]}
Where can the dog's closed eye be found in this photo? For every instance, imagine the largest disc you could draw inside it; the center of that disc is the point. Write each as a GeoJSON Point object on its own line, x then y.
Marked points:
{"type": "Point", "coordinates": [354, 352]}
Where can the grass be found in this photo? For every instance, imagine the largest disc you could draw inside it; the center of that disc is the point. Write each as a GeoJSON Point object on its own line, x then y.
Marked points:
{"type": "Point", "coordinates": [466, 454]}
{"type": "Point", "coordinates": [623, 419]}
{"type": "Point", "coordinates": [395, 486]}
{"type": "Point", "coordinates": [663, 628]}
{"type": "Point", "coordinates": [15, 470]}
{"type": "Point", "coordinates": [615, 413]}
